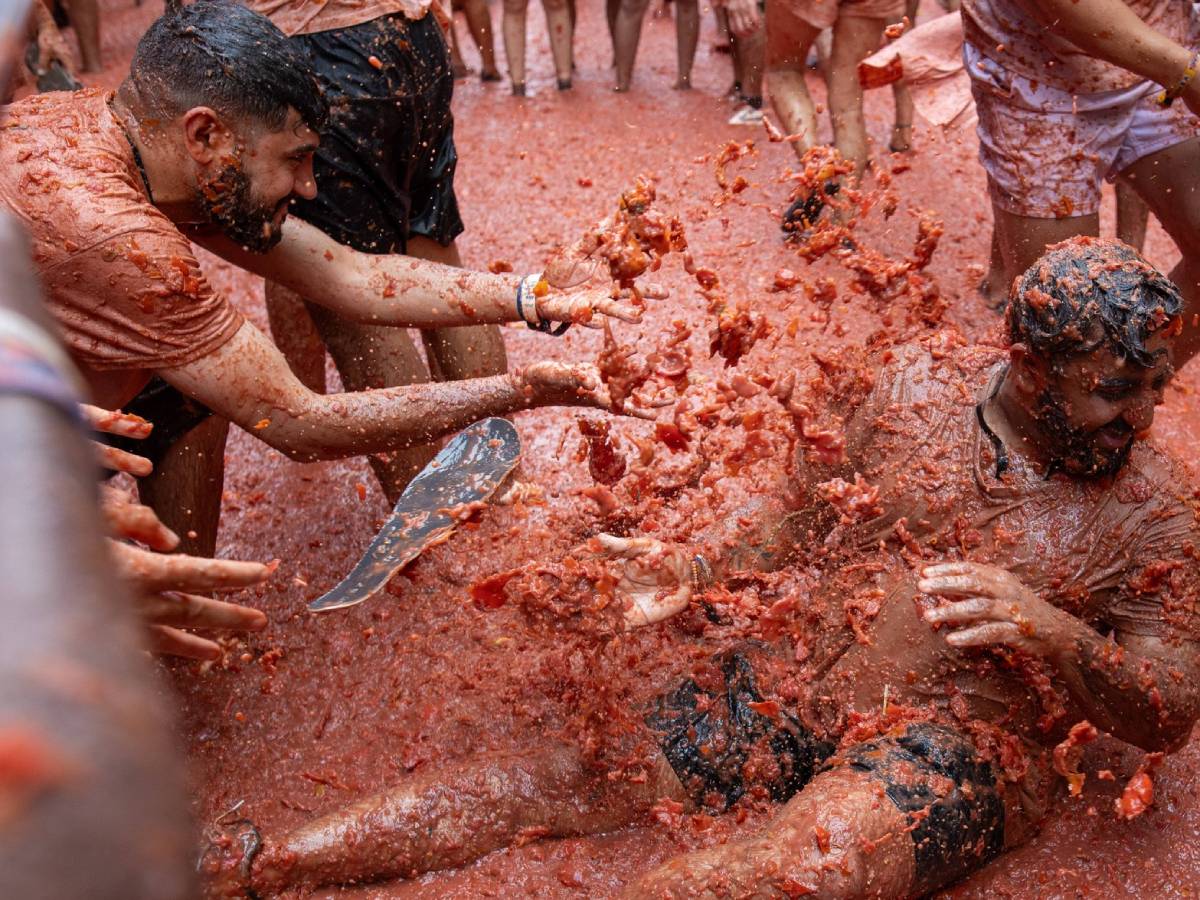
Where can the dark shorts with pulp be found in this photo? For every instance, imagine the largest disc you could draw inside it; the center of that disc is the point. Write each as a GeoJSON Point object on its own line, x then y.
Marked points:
{"type": "Point", "coordinates": [385, 167]}
{"type": "Point", "coordinates": [722, 743]}
{"type": "Point", "coordinates": [171, 413]}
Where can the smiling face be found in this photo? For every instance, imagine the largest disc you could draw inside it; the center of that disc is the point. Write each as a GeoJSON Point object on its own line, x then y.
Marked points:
{"type": "Point", "coordinates": [247, 186]}
{"type": "Point", "coordinates": [1094, 405]}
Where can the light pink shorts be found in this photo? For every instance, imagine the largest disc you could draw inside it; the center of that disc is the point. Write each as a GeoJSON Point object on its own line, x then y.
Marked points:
{"type": "Point", "coordinates": [1047, 151]}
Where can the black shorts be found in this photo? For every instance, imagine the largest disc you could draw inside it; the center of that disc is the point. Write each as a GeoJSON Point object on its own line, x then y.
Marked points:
{"type": "Point", "coordinates": [931, 773]}
{"type": "Point", "coordinates": [718, 745]}
{"type": "Point", "coordinates": [171, 413]}
{"type": "Point", "coordinates": [952, 799]}
{"type": "Point", "coordinates": [385, 167]}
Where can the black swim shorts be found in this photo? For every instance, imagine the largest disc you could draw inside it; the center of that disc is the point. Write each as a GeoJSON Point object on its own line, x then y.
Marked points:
{"type": "Point", "coordinates": [714, 741]}
{"type": "Point", "coordinates": [385, 167]}
{"type": "Point", "coordinates": [934, 775]}
{"type": "Point", "coordinates": [171, 413]}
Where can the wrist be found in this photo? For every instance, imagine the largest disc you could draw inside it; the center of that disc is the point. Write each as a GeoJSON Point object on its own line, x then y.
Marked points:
{"type": "Point", "coordinates": [1177, 72]}
{"type": "Point", "coordinates": [530, 290]}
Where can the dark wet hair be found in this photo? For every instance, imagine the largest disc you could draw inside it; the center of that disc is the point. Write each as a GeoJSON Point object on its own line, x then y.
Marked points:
{"type": "Point", "coordinates": [220, 54]}
{"type": "Point", "coordinates": [1088, 291]}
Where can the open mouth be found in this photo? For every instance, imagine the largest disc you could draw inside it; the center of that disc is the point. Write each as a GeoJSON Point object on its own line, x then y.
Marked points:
{"type": "Point", "coordinates": [1114, 436]}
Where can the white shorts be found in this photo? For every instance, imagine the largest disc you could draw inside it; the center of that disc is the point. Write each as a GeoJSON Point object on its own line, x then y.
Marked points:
{"type": "Point", "coordinates": [1047, 151]}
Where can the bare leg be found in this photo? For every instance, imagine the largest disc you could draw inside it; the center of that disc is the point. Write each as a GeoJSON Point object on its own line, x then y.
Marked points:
{"type": "Point", "coordinates": [853, 40]}
{"type": "Point", "coordinates": [611, 9]}
{"type": "Point", "coordinates": [902, 98]}
{"type": "Point", "coordinates": [628, 32]}
{"type": "Point", "coordinates": [867, 852]}
{"type": "Point", "coordinates": [558, 23]}
{"type": "Point", "coordinates": [749, 60]}
{"type": "Point", "coordinates": [85, 19]}
{"type": "Point", "coordinates": [458, 65]}
{"type": "Point", "coordinates": [687, 35]}
{"type": "Point", "coordinates": [1165, 180]}
{"type": "Point", "coordinates": [479, 21]}
{"type": "Point", "coordinates": [185, 487]}
{"type": "Point", "coordinates": [824, 47]}
{"type": "Point", "coordinates": [1022, 240]}
{"type": "Point", "coordinates": [373, 356]}
{"type": "Point", "coordinates": [993, 288]}
{"type": "Point", "coordinates": [513, 25]}
{"type": "Point", "coordinates": [459, 353]}
{"type": "Point", "coordinates": [296, 336]}
{"type": "Point", "coordinates": [447, 818]}
{"type": "Point", "coordinates": [1132, 216]}
{"type": "Point", "coordinates": [788, 39]}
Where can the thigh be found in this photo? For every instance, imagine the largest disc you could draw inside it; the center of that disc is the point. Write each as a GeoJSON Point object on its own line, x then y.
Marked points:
{"type": "Point", "coordinates": [370, 356]}
{"type": "Point", "coordinates": [952, 800]}
{"type": "Point", "coordinates": [721, 744]}
{"type": "Point", "coordinates": [1166, 180]}
{"type": "Point", "coordinates": [855, 37]}
{"type": "Point", "coordinates": [791, 32]}
{"type": "Point", "coordinates": [1046, 152]}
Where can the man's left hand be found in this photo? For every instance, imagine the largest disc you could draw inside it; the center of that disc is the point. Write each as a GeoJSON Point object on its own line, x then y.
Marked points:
{"type": "Point", "coordinates": [996, 608]}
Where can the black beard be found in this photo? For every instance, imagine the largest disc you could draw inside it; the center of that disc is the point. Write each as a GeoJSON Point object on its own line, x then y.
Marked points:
{"type": "Point", "coordinates": [228, 204]}
{"type": "Point", "coordinates": [1075, 452]}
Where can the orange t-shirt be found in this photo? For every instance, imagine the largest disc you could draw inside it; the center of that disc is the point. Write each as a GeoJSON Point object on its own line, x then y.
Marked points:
{"type": "Point", "coordinates": [294, 17]}
{"type": "Point", "coordinates": [121, 280]}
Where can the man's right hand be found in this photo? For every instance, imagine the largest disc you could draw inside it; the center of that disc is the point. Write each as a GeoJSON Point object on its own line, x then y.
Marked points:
{"type": "Point", "coordinates": [655, 581]}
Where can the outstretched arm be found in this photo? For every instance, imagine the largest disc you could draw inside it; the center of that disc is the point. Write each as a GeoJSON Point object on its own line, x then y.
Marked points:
{"type": "Point", "coordinates": [247, 381]}
{"type": "Point", "coordinates": [391, 289]}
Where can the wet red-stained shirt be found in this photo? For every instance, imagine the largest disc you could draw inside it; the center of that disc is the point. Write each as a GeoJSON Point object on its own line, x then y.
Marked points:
{"type": "Point", "coordinates": [1005, 31]}
{"type": "Point", "coordinates": [1119, 554]}
{"type": "Point", "coordinates": [294, 17]}
{"type": "Point", "coordinates": [120, 279]}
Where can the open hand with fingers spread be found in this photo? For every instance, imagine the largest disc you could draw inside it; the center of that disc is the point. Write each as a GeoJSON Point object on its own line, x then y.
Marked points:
{"type": "Point", "coordinates": [654, 582]}
{"type": "Point", "coordinates": [992, 607]}
{"type": "Point", "coordinates": [168, 587]}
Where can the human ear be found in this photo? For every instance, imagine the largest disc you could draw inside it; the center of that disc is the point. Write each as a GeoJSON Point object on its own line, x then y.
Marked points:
{"type": "Point", "coordinates": [1027, 371]}
{"type": "Point", "coordinates": [205, 135]}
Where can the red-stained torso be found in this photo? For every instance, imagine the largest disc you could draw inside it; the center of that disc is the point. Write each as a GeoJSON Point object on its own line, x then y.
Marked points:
{"type": "Point", "coordinates": [1116, 554]}
{"type": "Point", "coordinates": [121, 280]}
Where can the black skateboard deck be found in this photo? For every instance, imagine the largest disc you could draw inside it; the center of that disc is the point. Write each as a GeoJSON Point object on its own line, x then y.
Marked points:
{"type": "Point", "coordinates": [468, 470]}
